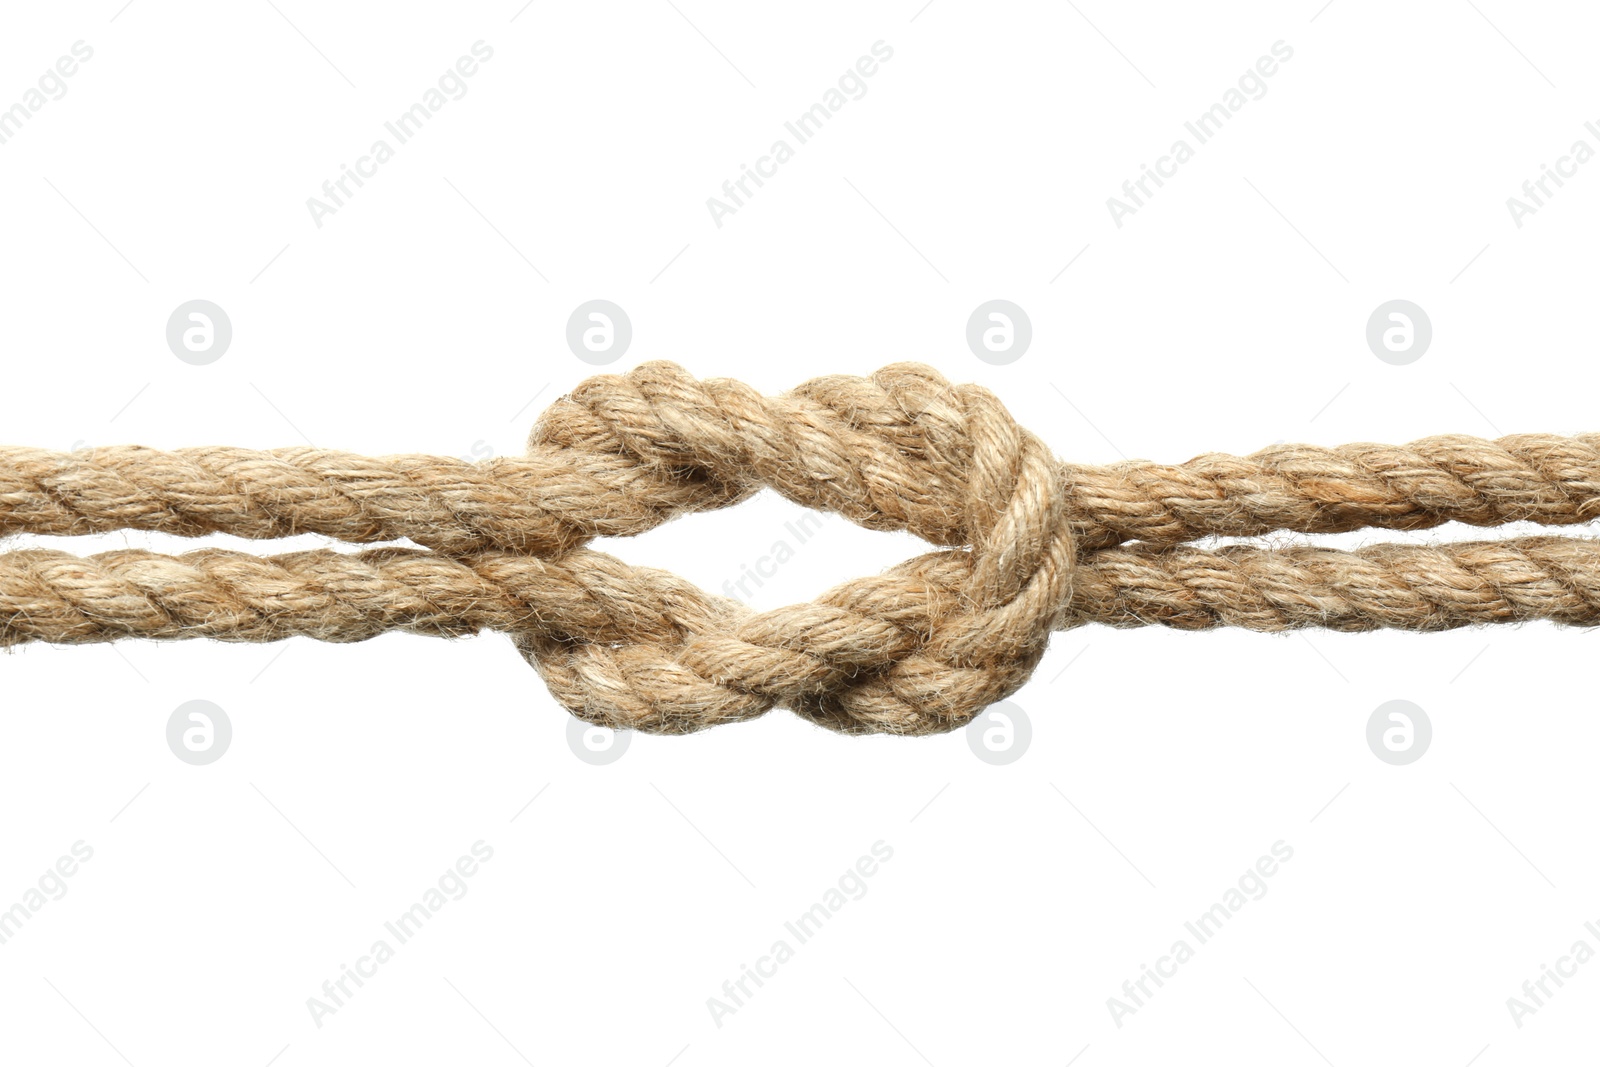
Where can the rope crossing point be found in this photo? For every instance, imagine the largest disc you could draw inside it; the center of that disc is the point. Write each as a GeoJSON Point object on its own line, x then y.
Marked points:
{"type": "Point", "coordinates": [1027, 545]}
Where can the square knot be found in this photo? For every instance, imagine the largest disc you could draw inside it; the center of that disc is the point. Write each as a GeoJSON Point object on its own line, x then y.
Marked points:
{"type": "Point", "coordinates": [920, 649]}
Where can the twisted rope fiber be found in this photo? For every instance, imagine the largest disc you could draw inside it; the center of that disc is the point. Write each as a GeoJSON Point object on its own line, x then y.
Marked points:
{"type": "Point", "coordinates": [660, 645]}
{"type": "Point", "coordinates": [1031, 545]}
{"type": "Point", "coordinates": [590, 473]}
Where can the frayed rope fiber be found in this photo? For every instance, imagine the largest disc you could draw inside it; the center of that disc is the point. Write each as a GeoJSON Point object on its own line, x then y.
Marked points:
{"type": "Point", "coordinates": [1028, 545]}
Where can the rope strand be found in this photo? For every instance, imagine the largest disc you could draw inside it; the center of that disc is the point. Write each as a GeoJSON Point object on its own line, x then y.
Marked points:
{"type": "Point", "coordinates": [672, 651]}
{"type": "Point", "coordinates": [549, 502]}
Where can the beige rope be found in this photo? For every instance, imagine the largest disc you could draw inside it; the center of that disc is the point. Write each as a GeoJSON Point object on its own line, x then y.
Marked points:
{"type": "Point", "coordinates": [622, 455]}
{"type": "Point", "coordinates": [1032, 545]}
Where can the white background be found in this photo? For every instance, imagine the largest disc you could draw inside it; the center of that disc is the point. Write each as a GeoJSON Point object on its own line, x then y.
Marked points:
{"type": "Point", "coordinates": [428, 315]}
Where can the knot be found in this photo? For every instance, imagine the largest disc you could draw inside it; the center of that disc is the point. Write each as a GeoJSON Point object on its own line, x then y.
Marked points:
{"type": "Point", "coordinates": [920, 649]}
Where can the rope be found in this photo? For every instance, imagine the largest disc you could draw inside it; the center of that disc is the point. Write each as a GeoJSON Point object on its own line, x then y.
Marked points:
{"type": "Point", "coordinates": [1030, 545]}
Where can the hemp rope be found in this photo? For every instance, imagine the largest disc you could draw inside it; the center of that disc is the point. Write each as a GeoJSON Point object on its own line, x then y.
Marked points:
{"type": "Point", "coordinates": [1031, 545]}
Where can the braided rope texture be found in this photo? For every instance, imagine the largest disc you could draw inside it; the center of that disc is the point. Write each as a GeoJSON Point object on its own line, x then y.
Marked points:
{"type": "Point", "coordinates": [1025, 545]}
